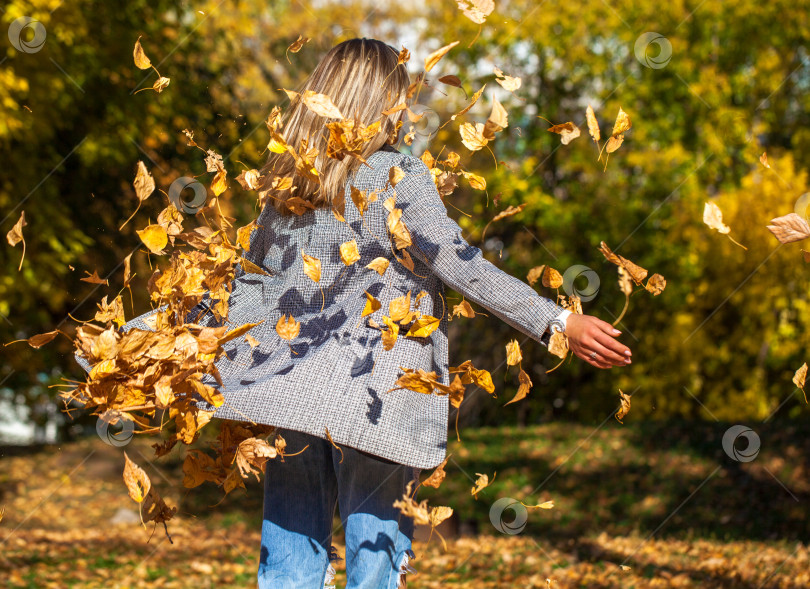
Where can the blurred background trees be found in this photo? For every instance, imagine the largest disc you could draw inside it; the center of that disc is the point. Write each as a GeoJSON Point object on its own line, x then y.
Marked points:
{"type": "Point", "coordinates": [722, 83]}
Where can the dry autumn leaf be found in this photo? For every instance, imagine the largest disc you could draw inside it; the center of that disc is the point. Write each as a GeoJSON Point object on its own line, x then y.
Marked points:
{"type": "Point", "coordinates": [800, 377]}
{"type": "Point", "coordinates": [558, 344]}
{"type": "Point", "coordinates": [790, 228]}
{"type": "Point", "coordinates": [372, 304]}
{"type": "Point", "coordinates": [625, 406]}
{"type": "Point", "coordinates": [713, 217]}
{"type": "Point", "coordinates": [399, 308]}
{"type": "Point", "coordinates": [321, 105]}
{"type": "Point", "coordinates": [523, 389]}
{"type": "Point", "coordinates": [349, 253]}
{"type": "Point", "coordinates": [513, 353]}
{"type": "Point", "coordinates": [15, 236]}
{"type": "Point", "coordinates": [476, 10]}
{"type": "Point", "coordinates": [379, 265]}
{"type": "Point", "coordinates": [636, 272]}
{"type": "Point", "coordinates": [481, 483]}
{"type": "Point", "coordinates": [567, 132]}
{"type": "Point", "coordinates": [656, 284]}
{"type": "Point", "coordinates": [509, 83]}
{"type": "Point", "coordinates": [296, 46]}
{"type": "Point", "coordinates": [288, 328]}
{"type": "Point", "coordinates": [141, 61]}
{"type": "Point", "coordinates": [154, 237]}
{"type": "Point", "coordinates": [434, 58]}
{"type": "Point", "coordinates": [437, 476]}
{"type": "Point", "coordinates": [593, 124]}
{"type": "Point", "coordinates": [144, 186]}
{"type": "Point", "coordinates": [498, 120]}
{"type": "Point", "coordinates": [472, 136]}
{"type": "Point", "coordinates": [423, 326]}
{"type": "Point", "coordinates": [463, 309]}
{"type": "Point", "coordinates": [312, 267]}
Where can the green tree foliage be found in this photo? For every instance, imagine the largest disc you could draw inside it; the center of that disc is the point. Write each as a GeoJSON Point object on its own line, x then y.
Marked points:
{"type": "Point", "coordinates": [730, 328]}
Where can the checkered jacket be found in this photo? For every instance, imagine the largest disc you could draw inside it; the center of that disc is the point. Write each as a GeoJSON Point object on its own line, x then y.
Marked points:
{"type": "Point", "coordinates": [336, 374]}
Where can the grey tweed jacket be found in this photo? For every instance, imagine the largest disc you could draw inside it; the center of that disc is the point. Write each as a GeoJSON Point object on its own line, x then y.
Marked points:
{"type": "Point", "coordinates": [336, 374]}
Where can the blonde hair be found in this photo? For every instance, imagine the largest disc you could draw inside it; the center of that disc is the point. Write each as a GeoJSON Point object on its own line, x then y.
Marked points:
{"type": "Point", "coordinates": [363, 78]}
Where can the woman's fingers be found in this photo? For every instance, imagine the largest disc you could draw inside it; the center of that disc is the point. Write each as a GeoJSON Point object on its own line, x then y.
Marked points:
{"type": "Point", "coordinates": [598, 361]}
{"type": "Point", "coordinates": [609, 348]}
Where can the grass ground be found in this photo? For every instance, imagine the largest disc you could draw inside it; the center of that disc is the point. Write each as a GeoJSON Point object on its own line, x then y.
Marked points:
{"type": "Point", "coordinates": [662, 499]}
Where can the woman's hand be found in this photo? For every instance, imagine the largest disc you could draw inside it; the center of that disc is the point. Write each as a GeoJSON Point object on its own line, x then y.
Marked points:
{"type": "Point", "coordinates": [587, 335]}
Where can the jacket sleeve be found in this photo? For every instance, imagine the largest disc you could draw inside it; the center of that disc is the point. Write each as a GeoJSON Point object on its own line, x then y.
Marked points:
{"type": "Point", "coordinates": [438, 242]}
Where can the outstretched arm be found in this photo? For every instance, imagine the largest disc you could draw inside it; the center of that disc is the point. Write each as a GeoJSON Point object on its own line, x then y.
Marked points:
{"type": "Point", "coordinates": [438, 242]}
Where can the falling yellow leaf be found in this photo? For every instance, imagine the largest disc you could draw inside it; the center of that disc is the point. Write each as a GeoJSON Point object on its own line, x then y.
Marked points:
{"type": "Point", "coordinates": [593, 124]}
{"type": "Point", "coordinates": [219, 184]}
{"type": "Point", "coordinates": [763, 159]}
{"type": "Point", "coordinates": [438, 475]}
{"type": "Point", "coordinates": [524, 388]}
{"type": "Point", "coordinates": [15, 236]}
{"type": "Point", "coordinates": [799, 379]}
{"type": "Point", "coordinates": [372, 305]}
{"type": "Point", "coordinates": [141, 61]}
{"type": "Point", "coordinates": [389, 337]}
{"type": "Point", "coordinates": [567, 131]}
{"type": "Point", "coordinates": [713, 217]}
{"type": "Point", "coordinates": [509, 83]}
{"type": "Point", "coordinates": [476, 10]}
{"type": "Point", "coordinates": [399, 308]}
{"type": "Point", "coordinates": [287, 327]}
{"type": "Point", "coordinates": [614, 142]}
{"type": "Point", "coordinates": [472, 136]}
{"type": "Point", "coordinates": [424, 326]}
{"type": "Point", "coordinates": [656, 284]}
{"type": "Point", "coordinates": [379, 265]}
{"type": "Point", "coordinates": [403, 56]}
{"type": "Point", "coordinates": [498, 120]}
{"type": "Point", "coordinates": [432, 59]}
{"type": "Point", "coordinates": [154, 237]}
{"type": "Point", "coordinates": [464, 309]}
{"type": "Point", "coordinates": [312, 267]}
{"type": "Point", "coordinates": [636, 272]}
{"type": "Point", "coordinates": [349, 252]}
{"type": "Point", "coordinates": [622, 123]}
{"type": "Point", "coordinates": [558, 344]}
{"type": "Point", "coordinates": [625, 406]}
{"type": "Point", "coordinates": [321, 105]}
{"type": "Point", "coordinates": [161, 84]}
{"type": "Point", "coordinates": [789, 228]}
{"type": "Point", "coordinates": [552, 278]}
{"type": "Point", "coordinates": [395, 175]}
{"type": "Point", "coordinates": [513, 353]}
{"type": "Point", "coordinates": [298, 44]}
{"type": "Point", "coordinates": [481, 483]}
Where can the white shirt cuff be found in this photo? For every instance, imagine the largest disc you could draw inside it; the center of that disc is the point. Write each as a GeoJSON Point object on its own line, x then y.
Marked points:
{"type": "Point", "coordinates": [563, 315]}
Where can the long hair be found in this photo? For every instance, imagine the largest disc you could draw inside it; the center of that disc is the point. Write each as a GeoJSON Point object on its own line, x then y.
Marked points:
{"type": "Point", "coordinates": [363, 78]}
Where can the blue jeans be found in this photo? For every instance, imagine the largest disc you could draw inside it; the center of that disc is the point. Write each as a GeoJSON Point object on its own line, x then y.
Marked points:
{"type": "Point", "coordinates": [300, 495]}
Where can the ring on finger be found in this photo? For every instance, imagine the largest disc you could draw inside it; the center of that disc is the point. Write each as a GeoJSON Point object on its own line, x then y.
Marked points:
{"type": "Point", "coordinates": [593, 355]}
